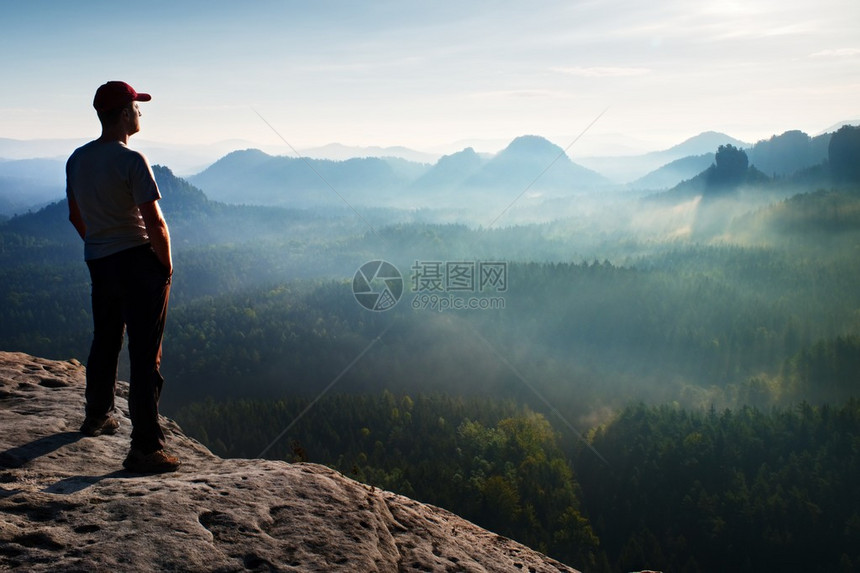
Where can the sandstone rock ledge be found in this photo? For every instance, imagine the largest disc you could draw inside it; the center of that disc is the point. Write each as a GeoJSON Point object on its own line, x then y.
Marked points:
{"type": "Point", "coordinates": [66, 504]}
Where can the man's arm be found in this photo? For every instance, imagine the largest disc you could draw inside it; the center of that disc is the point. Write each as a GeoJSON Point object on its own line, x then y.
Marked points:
{"type": "Point", "coordinates": [156, 228]}
{"type": "Point", "coordinates": [75, 217]}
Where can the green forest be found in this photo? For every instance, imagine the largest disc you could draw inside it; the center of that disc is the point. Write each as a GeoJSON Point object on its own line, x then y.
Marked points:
{"type": "Point", "coordinates": [664, 381]}
{"type": "Point", "coordinates": [744, 489]}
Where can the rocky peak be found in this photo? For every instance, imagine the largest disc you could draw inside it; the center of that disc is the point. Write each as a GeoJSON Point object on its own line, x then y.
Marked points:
{"type": "Point", "coordinates": [67, 504]}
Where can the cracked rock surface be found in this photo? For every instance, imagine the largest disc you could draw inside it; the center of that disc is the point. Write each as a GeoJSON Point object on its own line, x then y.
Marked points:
{"type": "Point", "coordinates": [67, 504]}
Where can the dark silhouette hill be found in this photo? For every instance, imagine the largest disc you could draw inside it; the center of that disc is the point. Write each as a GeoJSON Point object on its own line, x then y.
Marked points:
{"type": "Point", "coordinates": [844, 155]}
{"type": "Point", "coordinates": [779, 156]}
{"type": "Point", "coordinates": [788, 153]}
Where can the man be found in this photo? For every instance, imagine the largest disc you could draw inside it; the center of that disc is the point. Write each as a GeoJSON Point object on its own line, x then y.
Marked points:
{"type": "Point", "coordinates": [113, 205]}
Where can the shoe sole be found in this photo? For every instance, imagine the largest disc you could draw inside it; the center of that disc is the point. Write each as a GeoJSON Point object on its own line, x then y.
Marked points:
{"type": "Point", "coordinates": [150, 469]}
{"type": "Point", "coordinates": [158, 470]}
{"type": "Point", "coordinates": [102, 431]}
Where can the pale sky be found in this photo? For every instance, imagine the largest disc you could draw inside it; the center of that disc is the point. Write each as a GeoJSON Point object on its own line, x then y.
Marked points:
{"type": "Point", "coordinates": [430, 75]}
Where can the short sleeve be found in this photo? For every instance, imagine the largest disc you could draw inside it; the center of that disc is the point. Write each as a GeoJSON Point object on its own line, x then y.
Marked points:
{"type": "Point", "coordinates": [142, 181]}
{"type": "Point", "coordinates": [69, 192]}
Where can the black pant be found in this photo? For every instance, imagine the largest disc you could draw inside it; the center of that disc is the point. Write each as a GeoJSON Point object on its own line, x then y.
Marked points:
{"type": "Point", "coordinates": [130, 290]}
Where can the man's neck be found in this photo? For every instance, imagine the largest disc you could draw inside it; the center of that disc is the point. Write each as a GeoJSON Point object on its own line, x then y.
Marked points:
{"type": "Point", "coordinates": [116, 133]}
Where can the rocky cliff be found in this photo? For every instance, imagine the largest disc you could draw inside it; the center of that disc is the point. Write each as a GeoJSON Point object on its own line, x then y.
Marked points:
{"type": "Point", "coordinates": [67, 504]}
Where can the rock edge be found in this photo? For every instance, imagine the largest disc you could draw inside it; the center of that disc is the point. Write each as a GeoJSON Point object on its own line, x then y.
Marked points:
{"type": "Point", "coordinates": [67, 504]}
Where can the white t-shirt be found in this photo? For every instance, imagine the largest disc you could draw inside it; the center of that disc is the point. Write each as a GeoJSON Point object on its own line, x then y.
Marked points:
{"type": "Point", "coordinates": [108, 181]}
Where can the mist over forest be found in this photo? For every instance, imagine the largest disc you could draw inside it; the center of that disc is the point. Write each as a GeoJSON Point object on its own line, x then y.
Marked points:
{"type": "Point", "coordinates": [650, 365]}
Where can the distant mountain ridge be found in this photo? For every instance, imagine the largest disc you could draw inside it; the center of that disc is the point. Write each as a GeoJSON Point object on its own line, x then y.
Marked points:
{"type": "Point", "coordinates": [341, 152]}
{"type": "Point", "coordinates": [779, 156]}
{"type": "Point", "coordinates": [30, 183]}
{"type": "Point", "coordinates": [835, 127]}
{"type": "Point", "coordinates": [389, 177]}
{"type": "Point", "coordinates": [706, 142]}
{"type": "Point", "coordinates": [254, 177]}
{"type": "Point", "coordinates": [673, 172]}
{"type": "Point", "coordinates": [631, 169]}
{"type": "Point", "coordinates": [533, 160]}
{"type": "Point", "coordinates": [451, 170]}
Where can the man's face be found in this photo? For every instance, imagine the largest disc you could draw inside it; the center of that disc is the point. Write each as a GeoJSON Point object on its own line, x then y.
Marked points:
{"type": "Point", "coordinates": [131, 118]}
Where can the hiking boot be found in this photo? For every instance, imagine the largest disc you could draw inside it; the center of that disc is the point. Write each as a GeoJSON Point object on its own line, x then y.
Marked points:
{"type": "Point", "coordinates": [98, 426]}
{"type": "Point", "coordinates": [157, 462]}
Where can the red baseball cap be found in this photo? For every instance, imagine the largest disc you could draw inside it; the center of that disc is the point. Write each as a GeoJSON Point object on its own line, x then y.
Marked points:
{"type": "Point", "coordinates": [116, 94]}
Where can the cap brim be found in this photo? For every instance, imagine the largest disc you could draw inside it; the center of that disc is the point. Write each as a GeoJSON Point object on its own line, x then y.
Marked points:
{"type": "Point", "coordinates": [142, 97]}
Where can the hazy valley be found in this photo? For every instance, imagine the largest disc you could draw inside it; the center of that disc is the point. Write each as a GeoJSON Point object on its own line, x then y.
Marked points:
{"type": "Point", "coordinates": [655, 363]}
